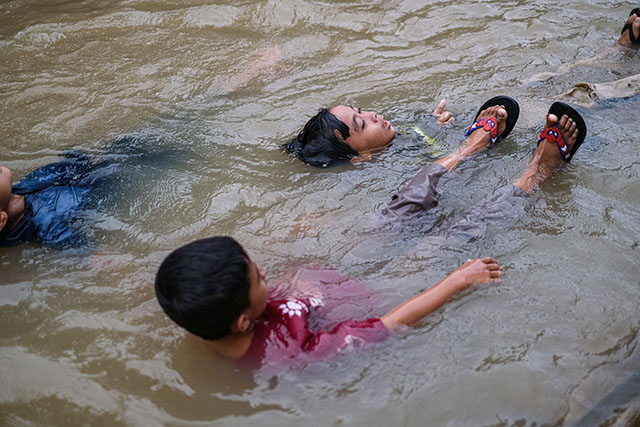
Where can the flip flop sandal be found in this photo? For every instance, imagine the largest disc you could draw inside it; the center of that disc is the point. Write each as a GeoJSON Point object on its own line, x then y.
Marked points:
{"type": "Point", "coordinates": [490, 124]}
{"type": "Point", "coordinates": [629, 26]}
{"type": "Point", "coordinates": [554, 136]}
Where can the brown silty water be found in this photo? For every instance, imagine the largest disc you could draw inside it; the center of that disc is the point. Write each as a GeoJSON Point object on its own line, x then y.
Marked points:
{"type": "Point", "coordinates": [221, 87]}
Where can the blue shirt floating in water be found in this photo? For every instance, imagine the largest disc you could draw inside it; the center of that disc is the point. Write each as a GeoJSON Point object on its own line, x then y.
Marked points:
{"type": "Point", "coordinates": [66, 202]}
{"type": "Point", "coordinates": [53, 195]}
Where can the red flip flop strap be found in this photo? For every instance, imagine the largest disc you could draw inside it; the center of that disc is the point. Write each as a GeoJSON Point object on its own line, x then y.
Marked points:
{"type": "Point", "coordinates": [554, 136]}
{"type": "Point", "coordinates": [490, 124]}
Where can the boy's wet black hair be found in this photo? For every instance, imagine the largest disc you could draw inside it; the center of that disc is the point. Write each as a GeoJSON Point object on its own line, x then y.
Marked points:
{"type": "Point", "coordinates": [317, 143]}
{"type": "Point", "coordinates": [204, 286]}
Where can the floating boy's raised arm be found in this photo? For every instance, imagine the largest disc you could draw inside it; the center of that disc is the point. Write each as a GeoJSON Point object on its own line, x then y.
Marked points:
{"type": "Point", "coordinates": [474, 272]}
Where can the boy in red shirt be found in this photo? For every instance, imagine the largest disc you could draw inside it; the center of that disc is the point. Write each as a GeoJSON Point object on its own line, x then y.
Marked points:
{"type": "Point", "coordinates": [211, 288]}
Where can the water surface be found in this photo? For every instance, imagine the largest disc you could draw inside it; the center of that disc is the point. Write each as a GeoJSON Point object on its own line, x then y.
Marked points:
{"type": "Point", "coordinates": [83, 340]}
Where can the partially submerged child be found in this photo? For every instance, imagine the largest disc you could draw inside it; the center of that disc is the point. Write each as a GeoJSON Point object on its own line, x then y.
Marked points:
{"type": "Point", "coordinates": [52, 204]}
{"type": "Point", "coordinates": [343, 132]}
{"type": "Point", "coordinates": [586, 93]}
{"type": "Point", "coordinates": [58, 204]}
{"type": "Point", "coordinates": [564, 130]}
{"type": "Point", "coordinates": [43, 206]}
{"type": "Point", "coordinates": [211, 288]}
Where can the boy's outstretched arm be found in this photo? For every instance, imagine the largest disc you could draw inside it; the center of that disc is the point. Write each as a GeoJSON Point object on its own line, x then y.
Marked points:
{"type": "Point", "coordinates": [474, 272]}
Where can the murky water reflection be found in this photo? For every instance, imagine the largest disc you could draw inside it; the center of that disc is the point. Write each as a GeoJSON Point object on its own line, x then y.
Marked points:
{"type": "Point", "coordinates": [83, 340]}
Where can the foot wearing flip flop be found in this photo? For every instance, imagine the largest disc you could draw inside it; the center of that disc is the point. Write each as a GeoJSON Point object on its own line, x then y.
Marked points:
{"type": "Point", "coordinates": [554, 147]}
{"type": "Point", "coordinates": [490, 124]}
{"type": "Point", "coordinates": [631, 30]}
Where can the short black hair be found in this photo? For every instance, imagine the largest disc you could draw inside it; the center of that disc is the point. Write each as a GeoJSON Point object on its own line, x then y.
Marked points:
{"type": "Point", "coordinates": [204, 286]}
{"type": "Point", "coordinates": [317, 143]}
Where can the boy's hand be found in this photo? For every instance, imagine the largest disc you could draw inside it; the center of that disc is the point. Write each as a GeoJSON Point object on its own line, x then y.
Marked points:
{"type": "Point", "coordinates": [478, 271]}
{"type": "Point", "coordinates": [444, 118]}
{"type": "Point", "coordinates": [473, 272]}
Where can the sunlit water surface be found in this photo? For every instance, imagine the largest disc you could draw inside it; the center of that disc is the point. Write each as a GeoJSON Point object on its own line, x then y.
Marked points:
{"type": "Point", "coordinates": [83, 340]}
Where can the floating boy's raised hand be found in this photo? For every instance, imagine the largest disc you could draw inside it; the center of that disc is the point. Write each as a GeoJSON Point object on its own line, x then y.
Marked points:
{"type": "Point", "coordinates": [444, 118]}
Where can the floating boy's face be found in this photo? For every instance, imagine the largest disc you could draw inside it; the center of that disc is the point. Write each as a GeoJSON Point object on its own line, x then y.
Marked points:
{"type": "Point", "coordinates": [258, 292]}
{"type": "Point", "coordinates": [367, 130]}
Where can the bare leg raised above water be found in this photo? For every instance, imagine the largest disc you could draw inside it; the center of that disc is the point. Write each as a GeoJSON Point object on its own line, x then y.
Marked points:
{"type": "Point", "coordinates": [508, 202]}
{"type": "Point", "coordinates": [547, 158]}
{"type": "Point", "coordinates": [420, 194]}
{"type": "Point", "coordinates": [478, 140]}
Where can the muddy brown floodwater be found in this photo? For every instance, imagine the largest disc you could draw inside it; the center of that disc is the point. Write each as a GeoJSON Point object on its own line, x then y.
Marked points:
{"type": "Point", "coordinates": [209, 90]}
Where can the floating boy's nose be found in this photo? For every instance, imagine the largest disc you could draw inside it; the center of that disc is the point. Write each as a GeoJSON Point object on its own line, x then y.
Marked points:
{"type": "Point", "coordinates": [373, 115]}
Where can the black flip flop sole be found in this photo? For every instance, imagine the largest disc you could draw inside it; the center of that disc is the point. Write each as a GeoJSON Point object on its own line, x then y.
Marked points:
{"type": "Point", "coordinates": [560, 109]}
{"type": "Point", "coordinates": [512, 108]}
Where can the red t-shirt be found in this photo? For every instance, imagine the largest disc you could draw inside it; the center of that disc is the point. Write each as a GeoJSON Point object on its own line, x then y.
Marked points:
{"type": "Point", "coordinates": [282, 335]}
{"type": "Point", "coordinates": [304, 329]}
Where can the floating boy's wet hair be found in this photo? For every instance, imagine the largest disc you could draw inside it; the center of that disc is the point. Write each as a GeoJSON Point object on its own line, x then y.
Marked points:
{"type": "Point", "coordinates": [318, 145]}
{"type": "Point", "coordinates": [204, 286]}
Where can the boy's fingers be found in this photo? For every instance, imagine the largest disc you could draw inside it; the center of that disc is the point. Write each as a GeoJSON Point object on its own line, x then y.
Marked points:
{"type": "Point", "coordinates": [440, 108]}
{"type": "Point", "coordinates": [445, 117]}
